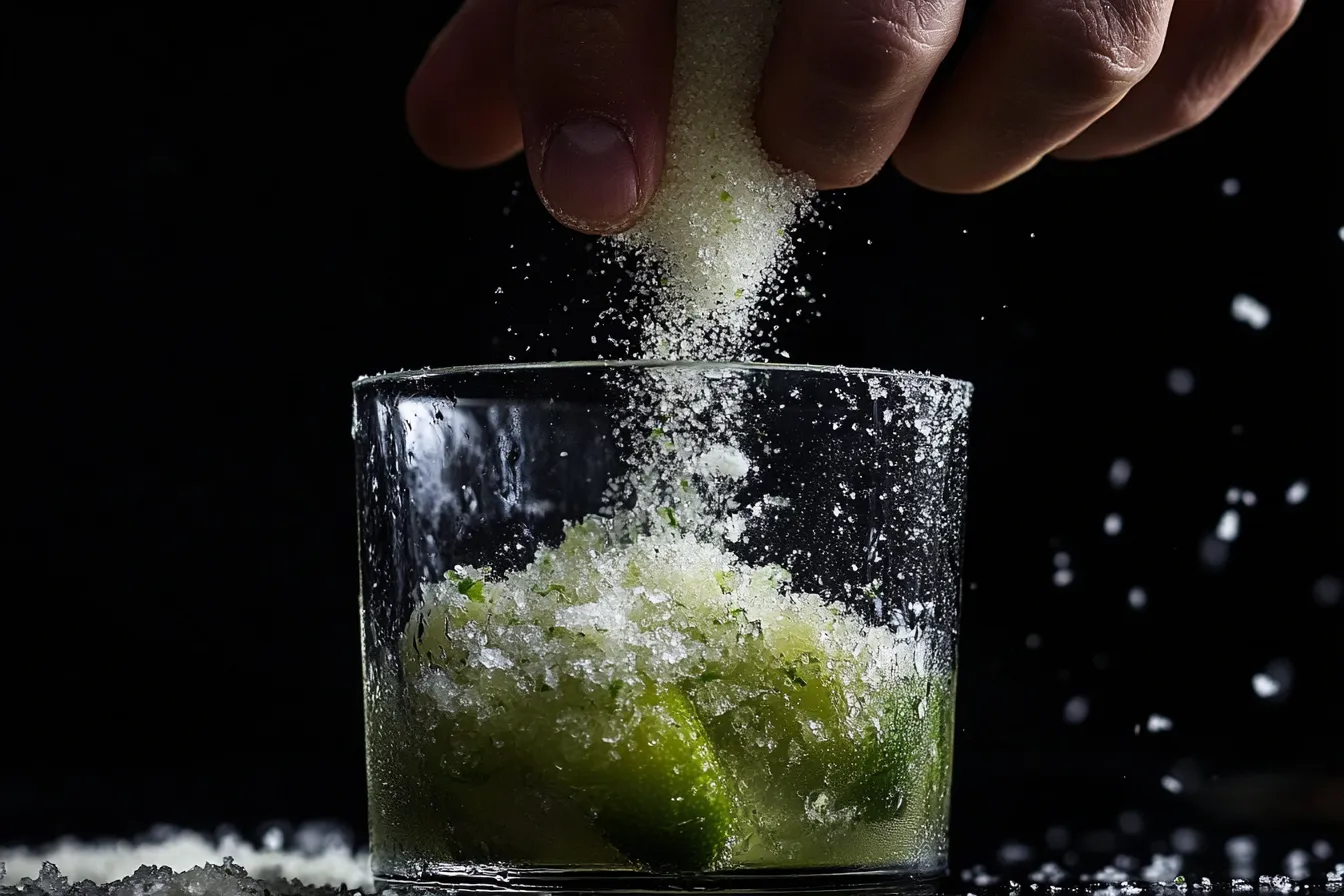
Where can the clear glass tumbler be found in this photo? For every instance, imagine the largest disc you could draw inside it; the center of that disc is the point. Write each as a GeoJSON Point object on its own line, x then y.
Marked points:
{"type": "Point", "coordinates": [635, 626]}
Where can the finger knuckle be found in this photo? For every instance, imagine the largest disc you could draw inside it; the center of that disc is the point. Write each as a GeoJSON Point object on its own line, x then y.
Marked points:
{"type": "Point", "coordinates": [1265, 21]}
{"type": "Point", "coordinates": [869, 47]}
{"type": "Point", "coordinates": [1105, 47]}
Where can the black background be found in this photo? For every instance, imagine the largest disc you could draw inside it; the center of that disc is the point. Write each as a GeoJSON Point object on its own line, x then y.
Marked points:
{"type": "Point", "coordinates": [216, 221]}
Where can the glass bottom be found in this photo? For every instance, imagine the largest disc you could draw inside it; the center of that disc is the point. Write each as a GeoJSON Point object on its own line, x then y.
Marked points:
{"type": "Point", "coordinates": [504, 880]}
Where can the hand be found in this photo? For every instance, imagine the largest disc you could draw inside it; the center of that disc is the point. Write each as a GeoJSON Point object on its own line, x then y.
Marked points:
{"type": "Point", "coordinates": [583, 86]}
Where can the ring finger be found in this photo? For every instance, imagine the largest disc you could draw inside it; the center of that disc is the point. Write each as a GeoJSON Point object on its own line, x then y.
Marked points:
{"type": "Point", "coordinates": [1035, 76]}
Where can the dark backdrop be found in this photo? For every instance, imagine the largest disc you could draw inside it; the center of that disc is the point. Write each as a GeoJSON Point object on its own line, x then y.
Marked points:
{"type": "Point", "coordinates": [217, 221]}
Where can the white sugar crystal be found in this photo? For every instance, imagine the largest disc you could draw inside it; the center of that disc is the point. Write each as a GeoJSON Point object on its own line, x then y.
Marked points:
{"type": "Point", "coordinates": [1297, 492]}
{"type": "Point", "coordinates": [1172, 784]}
{"type": "Point", "coordinates": [1264, 685]}
{"type": "Point", "coordinates": [1241, 850]}
{"type": "Point", "coordinates": [1180, 381]}
{"type": "Point", "coordinates": [1321, 849]}
{"type": "Point", "coordinates": [1138, 598]}
{"type": "Point", "coordinates": [1234, 496]}
{"type": "Point", "coordinates": [1186, 840]}
{"type": "Point", "coordinates": [1229, 525]}
{"type": "Point", "coordinates": [724, 460]}
{"type": "Point", "coordinates": [1250, 311]}
{"type": "Point", "coordinates": [1230, 186]}
{"type": "Point", "coordinates": [1213, 552]}
{"type": "Point", "coordinates": [1063, 578]}
{"type": "Point", "coordinates": [1297, 864]}
{"type": "Point", "coordinates": [329, 862]}
{"type": "Point", "coordinates": [1012, 853]}
{"type": "Point", "coordinates": [1158, 723]}
{"type": "Point", "coordinates": [1112, 524]}
{"type": "Point", "coordinates": [1076, 709]}
{"type": "Point", "coordinates": [1279, 882]}
{"type": "Point", "coordinates": [1327, 590]}
{"type": "Point", "coordinates": [1119, 472]}
{"type": "Point", "coordinates": [1162, 868]}
{"type": "Point", "coordinates": [1061, 560]}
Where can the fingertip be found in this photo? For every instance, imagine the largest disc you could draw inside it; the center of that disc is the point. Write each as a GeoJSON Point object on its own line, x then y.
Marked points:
{"type": "Point", "coordinates": [459, 104]}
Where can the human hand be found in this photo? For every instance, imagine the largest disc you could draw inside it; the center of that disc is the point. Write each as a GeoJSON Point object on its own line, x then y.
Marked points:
{"type": "Point", "coordinates": [583, 86]}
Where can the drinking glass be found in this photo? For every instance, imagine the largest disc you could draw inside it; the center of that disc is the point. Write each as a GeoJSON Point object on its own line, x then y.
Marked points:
{"type": "Point", "coordinates": [641, 626]}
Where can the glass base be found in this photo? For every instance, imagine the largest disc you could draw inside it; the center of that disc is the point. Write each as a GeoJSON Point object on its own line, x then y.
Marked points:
{"type": "Point", "coordinates": [505, 880]}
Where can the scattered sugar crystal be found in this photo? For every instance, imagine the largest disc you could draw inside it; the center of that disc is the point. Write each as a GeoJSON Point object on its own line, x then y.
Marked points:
{"type": "Point", "coordinates": [1158, 723]}
{"type": "Point", "coordinates": [1229, 525]}
{"type": "Point", "coordinates": [1280, 882]}
{"type": "Point", "coordinates": [321, 856]}
{"type": "Point", "coordinates": [1063, 577]}
{"type": "Point", "coordinates": [1248, 498]}
{"type": "Point", "coordinates": [724, 460]}
{"type": "Point", "coordinates": [1297, 864]}
{"type": "Point", "coordinates": [1138, 598]}
{"type": "Point", "coordinates": [1274, 681]}
{"type": "Point", "coordinates": [1049, 873]}
{"type": "Point", "coordinates": [1162, 868]}
{"type": "Point", "coordinates": [1119, 472]}
{"type": "Point", "coordinates": [1230, 186]}
{"type": "Point", "coordinates": [1112, 524]}
{"type": "Point", "coordinates": [1213, 552]}
{"type": "Point", "coordinates": [1172, 784]}
{"type": "Point", "coordinates": [1263, 685]}
{"type": "Point", "coordinates": [1186, 840]}
{"type": "Point", "coordinates": [1327, 590]}
{"type": "Point", "coordinates": [1076, 709]}
{"type": "Point", "coordinates": [1180, 381]}
{"type": "Point", "coordinates": [1336, 876]}
{"type": "Point", "coordinates": [1234, 496]}
{"type": "Point", "coordinates": [1250, 311]}
{"type": "Point", "coordinates": [1297, 492]}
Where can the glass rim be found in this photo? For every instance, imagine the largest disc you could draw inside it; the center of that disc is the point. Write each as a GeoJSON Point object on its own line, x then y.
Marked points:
{"type": "Point", "coordinates": [431, 373]}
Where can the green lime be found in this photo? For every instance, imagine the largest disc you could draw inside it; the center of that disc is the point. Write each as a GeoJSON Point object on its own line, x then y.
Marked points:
{"type": "Point", "coordinates": [658, 793]}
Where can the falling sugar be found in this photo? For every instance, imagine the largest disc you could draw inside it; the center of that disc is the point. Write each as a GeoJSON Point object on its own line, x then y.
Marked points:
{"type": "Point", "coordinates": [1250, 311]}
{"type": "Point", "coordinates": [1076, 710]}
{"type": "Point", "coordinates": [1138, 598]}
{"type": "Point", "coordinates": [1327, 590]}
{"type": "Point", "coordinates": [1112, 524]}
{"type": "Point", "coordinates": [1119, 472]}
{"type": "Point", "coordinates": [1180, 381]}
{"type": "Point", "coordinates": [1264, 685]}
{"type": "Point", "coordinates": [718, 232]}
{"type": "Point", "coordinates": [1229, 525]}
{"type": "Point", "coordinates": [1297, 492]}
